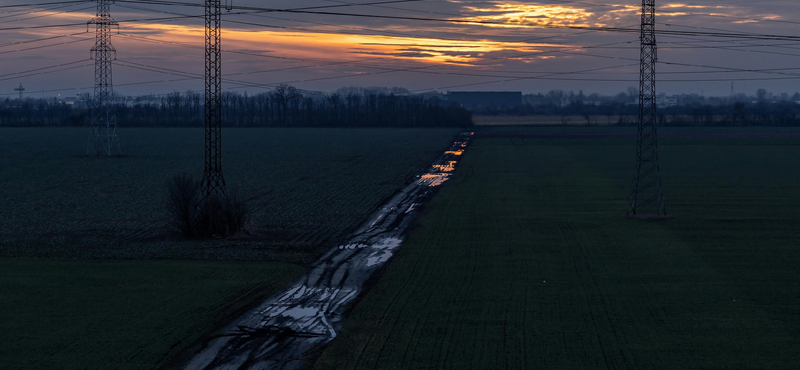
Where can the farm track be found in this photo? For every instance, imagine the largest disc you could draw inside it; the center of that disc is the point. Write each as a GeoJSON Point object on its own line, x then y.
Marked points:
{"type": "Point", "coordinates": [284, 329]}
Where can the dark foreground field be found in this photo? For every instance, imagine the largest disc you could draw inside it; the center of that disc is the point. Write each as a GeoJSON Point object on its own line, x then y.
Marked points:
{"type": "Point", "coordinates": [521, 262]}
{"type": "Point", "coordinates": [121, 314]}
{"type": "Point", "coordinates": [306, 188]}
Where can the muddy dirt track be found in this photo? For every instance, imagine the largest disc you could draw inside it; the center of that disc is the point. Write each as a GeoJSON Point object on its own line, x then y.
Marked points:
{"type": "Point", "coordinates": [308, 314]}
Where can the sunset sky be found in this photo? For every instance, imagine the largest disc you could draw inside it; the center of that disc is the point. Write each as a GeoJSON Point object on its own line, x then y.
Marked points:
{"type": "Point", "coordinates": [513, 48]}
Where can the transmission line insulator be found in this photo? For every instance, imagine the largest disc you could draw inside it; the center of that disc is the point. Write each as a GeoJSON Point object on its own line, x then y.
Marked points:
{"type": "Point", "coordinates": [103, 139]}
{"type": "Point", "coordinates": [213, 183]}
{"type": "Point", "coordinates": [647, 196]}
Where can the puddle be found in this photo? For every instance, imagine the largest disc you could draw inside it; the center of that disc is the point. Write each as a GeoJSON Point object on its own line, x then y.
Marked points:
{"type": "Point", "coordinates": [310, 312]}
{"type": "Point", "coordinates": [301, 312]}
{"type": "Point", "coordinates": [433, 179]}
{"type": "Point", "coordinates": [383, 251]}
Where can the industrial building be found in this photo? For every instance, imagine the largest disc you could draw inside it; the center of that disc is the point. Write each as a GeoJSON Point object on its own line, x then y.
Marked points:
{"type": "Point", "coordinates": [479, 99]}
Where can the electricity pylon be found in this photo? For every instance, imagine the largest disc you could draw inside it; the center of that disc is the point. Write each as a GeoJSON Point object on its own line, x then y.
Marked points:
{"type": "Point", "coordinates": [103, 139]}
{"type": "Point", "coordinates": [213, 183]}
{"type": "Point", "coordinates": [20, 89]}
{"type": "Point", "coordinates": [647, 196]}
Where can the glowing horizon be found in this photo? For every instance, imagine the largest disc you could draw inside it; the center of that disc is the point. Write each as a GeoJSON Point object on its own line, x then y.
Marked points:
{"type": "Point", "coordinates": [322, 52]}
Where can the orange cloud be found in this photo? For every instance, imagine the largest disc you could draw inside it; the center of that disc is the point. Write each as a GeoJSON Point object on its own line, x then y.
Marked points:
{"type": "Point", "coordinates": [516, 15]}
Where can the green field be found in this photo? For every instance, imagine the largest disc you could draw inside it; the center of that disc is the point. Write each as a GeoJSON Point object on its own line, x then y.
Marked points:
{"type": "Point", "coordinates": [307, 188]}
{"type": "Point", "coordinates": [121, 314]}
{"type": "Point", "coordinates": [522, 262]}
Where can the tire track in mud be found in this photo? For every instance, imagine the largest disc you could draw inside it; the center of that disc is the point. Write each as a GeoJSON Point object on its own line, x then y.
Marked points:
{"type": "Point", "coordinates": [282, 330]}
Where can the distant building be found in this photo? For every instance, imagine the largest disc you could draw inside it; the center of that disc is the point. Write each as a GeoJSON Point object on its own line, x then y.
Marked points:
{"type": "Point", "coordinates": [477, 99]}
{"type": "Point", "coordinates": [431, 94]}
{"type": "Point", "coordinates": [663, 101]}
{"type": "Point", "coordinates": [316, 95]}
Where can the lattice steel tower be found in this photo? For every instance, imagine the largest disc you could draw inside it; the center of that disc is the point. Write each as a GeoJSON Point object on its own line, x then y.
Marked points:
{"type": "Point", "coordinates": [647, 196]}
{"type": "Point", "coordinates": [20, 89]}
{"type": "Point", "coordinates": [103, 140]}
{"type": "Point", "coordinates": [213, 182]}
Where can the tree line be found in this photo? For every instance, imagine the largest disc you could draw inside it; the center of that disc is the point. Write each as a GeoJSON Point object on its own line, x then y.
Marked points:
{"type": "Point", "coordinates": [285, 106]}
{"type": "Point", "coordinates": [760, 109]}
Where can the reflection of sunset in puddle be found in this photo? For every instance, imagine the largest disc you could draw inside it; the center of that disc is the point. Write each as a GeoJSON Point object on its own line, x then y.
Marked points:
{"type": "Point", "coordinates": [449, 167]}
{"type": "Point", "coordinates": [442, 169]}
{"type": "Point", "coordinates": [316, 304]}
{"type": "Point", "coordinates": [433, 179]}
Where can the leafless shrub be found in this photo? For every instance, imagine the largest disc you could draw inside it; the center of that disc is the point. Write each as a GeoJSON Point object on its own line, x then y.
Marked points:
{"type": "Point", "coordinates": [183, 193]}
{"type": "Point", "coordinates": [219, 216]}
{"type": "Point", "coordinates": [236, 211]}
{"type": "Point", "coordinates": [215, 216]}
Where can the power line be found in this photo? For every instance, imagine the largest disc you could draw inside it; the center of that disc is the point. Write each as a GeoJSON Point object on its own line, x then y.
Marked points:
{"type": "Point", "coordinates": [608, 29]}
{"type": "Point", "coordinates": [774, 37]}
{"type": "Point", "coordinates": [395, 8]}
{"type": "Point", "coordinates": [177, 3]}
{"type": "Point", "coordinates": [40, 39]}
{"type": "Point", "coordinates": [739, 49]}
{"type": "Point", "coordinates": [43, 4]}
{"type": "Point", "coordinates": [729, 70]}
{"type": "Point", "coordinates": [44, 46]}
{"type": "Point", "coordinates": [26, 12]}
{"type": "Point", "coordinates": [475, 75]}
{"type": "Point", "coordinates": [386, 70]}
{"type": "Point", "coordinates": [48, 72]}
{"type": "Point", "coordinates": [305, 60]}
{"type": "Point", "coordinates": [693, 14]}
{"type": "Point", "coordinates": [307, 11]}
{"type": "Point", "coordinates": [41, 70]}
{"type": "Point", "coordinates": [185, 16]}
{"type": "Point", "coordinates": [412, 69]}
{"type": "Point", "coordinates": [337, 26]}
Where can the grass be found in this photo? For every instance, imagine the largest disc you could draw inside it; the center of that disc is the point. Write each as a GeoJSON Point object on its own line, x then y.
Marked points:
{"type": "Point", "coordinates": [521, 261]}
{"type": "Point", "coordinates": [307, 188]}
{"type": "Point", "coordinates": [121, 314]}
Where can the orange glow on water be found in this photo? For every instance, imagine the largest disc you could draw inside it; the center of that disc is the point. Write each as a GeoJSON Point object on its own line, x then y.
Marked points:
{"type": "Point", "coordinates": [433, 179]}
{"type": "Point", "coordinates": [449, 167]}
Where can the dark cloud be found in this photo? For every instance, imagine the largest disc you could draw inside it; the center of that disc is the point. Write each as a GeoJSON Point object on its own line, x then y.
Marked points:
{"type": "Point", "coordinates": [407, 54]}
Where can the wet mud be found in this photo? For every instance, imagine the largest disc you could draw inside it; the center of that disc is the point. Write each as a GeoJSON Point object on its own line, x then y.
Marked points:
{"type": "Point", "coordinates": [283, 329]}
